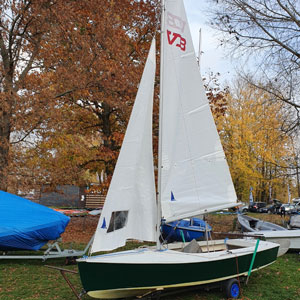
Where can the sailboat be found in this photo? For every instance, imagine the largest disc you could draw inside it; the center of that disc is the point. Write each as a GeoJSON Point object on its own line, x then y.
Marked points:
{"type": "Point", "coordinates": [193, 179]}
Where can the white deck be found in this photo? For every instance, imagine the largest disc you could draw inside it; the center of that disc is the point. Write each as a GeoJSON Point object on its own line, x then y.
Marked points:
{"type": "Point", "coordinates": [152, 256]}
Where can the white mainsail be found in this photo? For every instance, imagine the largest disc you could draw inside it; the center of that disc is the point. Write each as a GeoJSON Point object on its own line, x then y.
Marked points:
{"type": "Point", "coordinates": [130, 206]}
{"type": "Point", "coordinates": [195, 177]}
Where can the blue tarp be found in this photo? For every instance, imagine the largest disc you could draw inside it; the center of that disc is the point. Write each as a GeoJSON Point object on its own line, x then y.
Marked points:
{"type": "Point", "coordinates": [189, 229]}
{"type": "Point", "coordinates": [28, 225]}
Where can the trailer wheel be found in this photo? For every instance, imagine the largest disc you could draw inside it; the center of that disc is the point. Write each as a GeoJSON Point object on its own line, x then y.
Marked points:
{"type": "Point", "coordinates": [232, 288]}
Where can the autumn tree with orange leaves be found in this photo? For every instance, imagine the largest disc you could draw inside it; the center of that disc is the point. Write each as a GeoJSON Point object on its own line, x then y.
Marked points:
{"type": "Point", "coordinates": [69, 74]}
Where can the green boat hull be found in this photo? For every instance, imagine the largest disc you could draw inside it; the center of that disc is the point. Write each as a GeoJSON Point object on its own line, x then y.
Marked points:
{"type": "Point", "coordinates": [138, 278]}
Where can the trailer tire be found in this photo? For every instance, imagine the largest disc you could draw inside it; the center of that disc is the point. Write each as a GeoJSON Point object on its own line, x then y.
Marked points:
{"type": "Point", "coordinates": [232, 288]}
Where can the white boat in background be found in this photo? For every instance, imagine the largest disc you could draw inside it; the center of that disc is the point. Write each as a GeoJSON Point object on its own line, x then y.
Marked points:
{"type": "Point", "coordinates": [250, 224]}
{"type": "Point", "coordinates": [287, 239]}
{"type": "Point", "coordinates": [282, 240]}
{"type": "Point", "coordinates": [193, 179]}
{"type": "Point", "coordinates": [293, 236]}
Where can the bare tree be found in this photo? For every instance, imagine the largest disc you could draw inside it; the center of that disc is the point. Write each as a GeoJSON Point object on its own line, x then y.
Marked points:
{"type": "Point", "coordinates": [267, 32]}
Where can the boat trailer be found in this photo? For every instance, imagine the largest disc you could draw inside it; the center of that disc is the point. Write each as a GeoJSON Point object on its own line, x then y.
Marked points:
{"type": "Point", "coordinates": [231, 288]}
{"type": "Point", "coordinates": [53, 251]}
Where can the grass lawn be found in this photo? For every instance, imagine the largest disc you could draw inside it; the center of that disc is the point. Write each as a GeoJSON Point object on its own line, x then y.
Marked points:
{"type": "Point", "coordinates": [31, 280]}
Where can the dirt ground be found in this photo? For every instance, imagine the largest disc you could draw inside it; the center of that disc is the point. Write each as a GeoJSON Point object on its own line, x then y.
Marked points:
{"type": "Point", "coordinates": [81, 229]}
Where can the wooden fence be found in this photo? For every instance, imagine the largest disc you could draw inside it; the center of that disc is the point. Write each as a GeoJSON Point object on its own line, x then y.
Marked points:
{"type": "Point", "coordinates": [94, 200]}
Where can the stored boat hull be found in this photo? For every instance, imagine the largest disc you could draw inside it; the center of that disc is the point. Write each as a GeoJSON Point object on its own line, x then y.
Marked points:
{"type": "Point", "coordinates": [292, 236]}
{"type": "Point", "coordinates": [284, 245]}
{"type": "Point", "coordinates": [135, 272]}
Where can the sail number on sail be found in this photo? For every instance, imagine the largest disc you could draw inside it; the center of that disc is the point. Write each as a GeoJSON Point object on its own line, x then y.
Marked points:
{"type": "Point", "coordinates": [177, 23]}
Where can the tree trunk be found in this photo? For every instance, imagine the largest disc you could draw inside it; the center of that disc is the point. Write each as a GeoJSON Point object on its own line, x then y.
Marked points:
{"type": "Point", "coordinates": [106, 124]}
{"type": "Point", "coordinates": [297, 173]}
{"type": "Point", "coordinates": [5, 129]}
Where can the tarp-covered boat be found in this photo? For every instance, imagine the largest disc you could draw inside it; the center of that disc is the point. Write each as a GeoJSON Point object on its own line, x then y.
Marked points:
{"type": "Point", "coordinates": [27, 225]}
{"type": "Point", "coordinates": [185, 230]}
{"type": "Point", "coordinates": [294, 222]}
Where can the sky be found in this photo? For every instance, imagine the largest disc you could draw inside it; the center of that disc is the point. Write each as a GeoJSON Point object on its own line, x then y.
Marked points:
{"type": "Point", "coordinates": [213, 57]}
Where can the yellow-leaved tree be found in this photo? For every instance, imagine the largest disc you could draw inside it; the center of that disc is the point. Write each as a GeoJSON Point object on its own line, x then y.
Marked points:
{"type": "Point", "coordinates": [256, 147]}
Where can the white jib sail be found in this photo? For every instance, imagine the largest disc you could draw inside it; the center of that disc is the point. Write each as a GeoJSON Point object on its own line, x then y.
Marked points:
{"type": "Point", "coordinates": [195, 177]}
{"type": "Point", "coordinates": [130, 206]}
